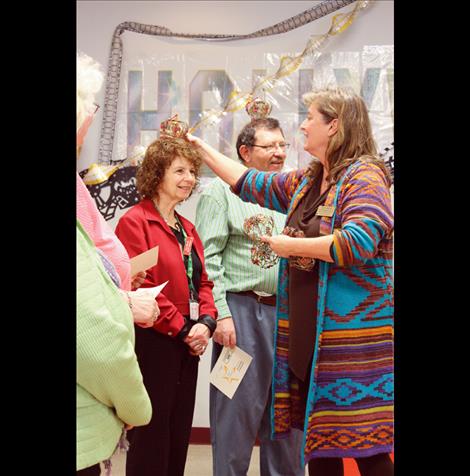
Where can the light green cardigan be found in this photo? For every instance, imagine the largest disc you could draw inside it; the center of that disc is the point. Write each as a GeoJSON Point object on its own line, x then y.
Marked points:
{"type": "Point", "coordinates": [110, 389]}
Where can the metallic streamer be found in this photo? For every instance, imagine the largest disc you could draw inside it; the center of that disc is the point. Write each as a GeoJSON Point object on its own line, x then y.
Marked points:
{"type": "Point", "coordinates": [115, 60]}
{"type": "Point", "coordinates": [237, 100]}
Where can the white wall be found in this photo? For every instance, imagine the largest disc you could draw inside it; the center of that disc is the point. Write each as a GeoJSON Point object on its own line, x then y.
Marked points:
{"type": "Point", "coordinates": [96, 21]}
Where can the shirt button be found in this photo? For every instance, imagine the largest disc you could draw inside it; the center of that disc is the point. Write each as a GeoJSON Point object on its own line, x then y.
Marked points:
{"type": "Point", "coordinates": [170, 333]}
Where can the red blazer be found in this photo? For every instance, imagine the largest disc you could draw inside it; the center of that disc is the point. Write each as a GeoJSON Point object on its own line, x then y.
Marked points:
{"type": "Point", "coordinates": [142, 228]}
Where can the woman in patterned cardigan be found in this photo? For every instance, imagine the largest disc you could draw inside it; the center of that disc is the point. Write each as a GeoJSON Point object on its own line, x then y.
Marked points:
{"type": "Point", "coordinates": [333, 369]}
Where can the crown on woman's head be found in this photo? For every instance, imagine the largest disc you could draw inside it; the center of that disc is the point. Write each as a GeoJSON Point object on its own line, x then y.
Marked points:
{"type": "Point", "coordinates": [173, 128]}
{"type": "Point", "coordinates": [258, 108]}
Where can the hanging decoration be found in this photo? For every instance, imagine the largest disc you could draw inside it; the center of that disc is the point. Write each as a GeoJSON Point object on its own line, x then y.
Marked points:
{"type": "Point", "coordinates": [238, 99]}
{"type": "Point", "coordinates": [98, 173]}
{"type": "Point", "coordinates": [116, 193]}
{"type": "Point", "coordinates": [287, 65]}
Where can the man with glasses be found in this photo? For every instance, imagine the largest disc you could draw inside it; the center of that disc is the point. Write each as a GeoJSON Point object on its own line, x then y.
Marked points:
{"type": "Point", "coordinates": [245, 298]}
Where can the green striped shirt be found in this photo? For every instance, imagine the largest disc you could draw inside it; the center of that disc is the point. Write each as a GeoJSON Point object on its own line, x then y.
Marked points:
{"type": "Point", "coordinates": [220, 215]}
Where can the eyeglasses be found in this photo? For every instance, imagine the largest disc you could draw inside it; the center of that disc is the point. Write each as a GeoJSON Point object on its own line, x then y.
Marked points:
{"type": "Point", "coordinates": [97, 106]}
{"type": "Point", "coordinates": [272, 147]}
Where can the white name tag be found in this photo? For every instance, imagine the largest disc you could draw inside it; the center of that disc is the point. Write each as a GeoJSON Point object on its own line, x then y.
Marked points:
{"type": "Point", "coordinates": [193, 310]}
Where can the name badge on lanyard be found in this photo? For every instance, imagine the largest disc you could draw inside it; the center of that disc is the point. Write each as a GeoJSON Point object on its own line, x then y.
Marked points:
{"type": "Point", "coordinates": [193, 310]}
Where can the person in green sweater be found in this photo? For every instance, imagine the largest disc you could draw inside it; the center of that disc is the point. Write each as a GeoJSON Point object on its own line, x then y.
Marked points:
{"type": "Point", "coordinates": [111, 396]}
{"type": "Point", "coordinates": [110, 391]}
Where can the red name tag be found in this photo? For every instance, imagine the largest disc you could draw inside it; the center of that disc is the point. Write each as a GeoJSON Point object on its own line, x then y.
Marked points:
{"type": "Point", "coordinates": [188, 245]}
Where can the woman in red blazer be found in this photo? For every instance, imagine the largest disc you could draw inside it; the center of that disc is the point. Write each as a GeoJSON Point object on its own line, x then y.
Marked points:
{"type": "Point", "coordinates": [169, 352]}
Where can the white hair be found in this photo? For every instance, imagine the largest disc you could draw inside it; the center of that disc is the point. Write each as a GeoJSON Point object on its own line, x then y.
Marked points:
{"type": "Point", "coordinates": [89, 81]}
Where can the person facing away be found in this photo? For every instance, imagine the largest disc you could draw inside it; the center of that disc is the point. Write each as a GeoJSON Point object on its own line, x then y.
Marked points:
{"type": "Point", "coordinates": [110, 391]}
{"type": "Point", "coordinates": [113, 254]}
{"type": "Point", "coordinates": [244, 294]}
{"type": "Point", "coordinates": [333, 366]}
{"type": "Point", "coordinates": [169, 351]}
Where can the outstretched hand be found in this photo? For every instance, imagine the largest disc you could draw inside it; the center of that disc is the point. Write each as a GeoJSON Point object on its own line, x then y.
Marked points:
{"type": "Point", "coordinates": [280, 244]}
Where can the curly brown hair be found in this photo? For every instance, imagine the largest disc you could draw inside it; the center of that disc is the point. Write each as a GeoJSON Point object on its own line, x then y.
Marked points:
{"type": "Point", "coordinates": [158, 158]}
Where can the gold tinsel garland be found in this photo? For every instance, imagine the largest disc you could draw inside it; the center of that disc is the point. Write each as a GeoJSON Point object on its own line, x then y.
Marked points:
{"type": "Point", "coordinates": [99, 173]}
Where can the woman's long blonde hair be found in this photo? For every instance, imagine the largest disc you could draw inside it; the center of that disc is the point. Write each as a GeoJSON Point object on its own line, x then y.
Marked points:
{"type": "Point", "coordinates": [353, 139]}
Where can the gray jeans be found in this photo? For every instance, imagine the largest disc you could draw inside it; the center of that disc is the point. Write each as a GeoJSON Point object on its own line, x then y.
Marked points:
{"type": "Point", "coordinates": [236, 423]}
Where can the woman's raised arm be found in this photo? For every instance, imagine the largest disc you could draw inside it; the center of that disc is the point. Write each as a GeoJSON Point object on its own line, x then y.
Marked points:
{"type": "Point", "coordinates": [227, 169]}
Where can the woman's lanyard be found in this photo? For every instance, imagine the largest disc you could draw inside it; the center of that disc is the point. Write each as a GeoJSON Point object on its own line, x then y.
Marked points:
{"type": "Point", "coordinates": [188, 265]}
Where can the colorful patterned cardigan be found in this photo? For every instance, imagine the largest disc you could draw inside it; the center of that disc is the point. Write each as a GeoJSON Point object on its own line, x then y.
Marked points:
{"type": "Point", "coordinates": [349, 410]}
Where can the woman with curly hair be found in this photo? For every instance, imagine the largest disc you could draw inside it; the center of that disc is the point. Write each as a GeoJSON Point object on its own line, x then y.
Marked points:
{"type": "Point", "coordinates": [168, 353]}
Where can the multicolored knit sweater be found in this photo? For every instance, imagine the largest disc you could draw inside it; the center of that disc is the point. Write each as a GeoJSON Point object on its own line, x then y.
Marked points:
{"type": "Point", "coordinates": [349, 409]}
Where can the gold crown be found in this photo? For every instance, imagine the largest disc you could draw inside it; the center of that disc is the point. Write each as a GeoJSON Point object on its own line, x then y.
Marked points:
{"type": "Point", "coordinates": [173, 127]}
{"type": "Point", "coordinates": [258, 108]}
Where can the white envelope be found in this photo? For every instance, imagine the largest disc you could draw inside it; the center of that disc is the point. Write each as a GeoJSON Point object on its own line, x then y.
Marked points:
{"type": "Point", "coordinates": [229, 370]}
